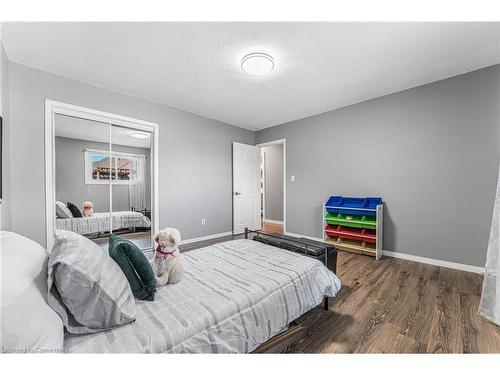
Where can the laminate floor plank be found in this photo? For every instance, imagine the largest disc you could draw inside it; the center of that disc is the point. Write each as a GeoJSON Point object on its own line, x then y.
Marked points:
{"type": "Point", "coordinates": [361, 289]}
{"type": "Point", "coordinates": [413, 320]}
{"type": "Point", "coordinates": [465, 282]}
{"type": "Point", "coordinates": [481, 335]}
{"type": "Point", "coordinates": [445, 333]}
{"type": "Point", "coordinates": [468, 324]}
{"type": "Point", "coordinates": [342, 335]}
{"type": "Point", "coordinates": [390, 302]}
{"type": "Point", "coordinates": [388, 340]}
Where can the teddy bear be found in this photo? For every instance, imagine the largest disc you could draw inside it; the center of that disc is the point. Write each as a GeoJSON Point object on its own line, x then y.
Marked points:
{"type": "Point", "coordinates": [167, 260]}
{"type": "Point", "coordinates": [88, 209]}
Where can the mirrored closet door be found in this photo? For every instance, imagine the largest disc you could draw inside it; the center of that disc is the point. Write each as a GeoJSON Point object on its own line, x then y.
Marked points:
{"type": "Point", "coordinates": [103, 180]}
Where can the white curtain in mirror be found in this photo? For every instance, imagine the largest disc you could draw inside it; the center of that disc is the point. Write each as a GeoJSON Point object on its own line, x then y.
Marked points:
{"type": "Point", "coordinates": [490, 297]}
{"type": "Point", "coordinates": [137, 188]}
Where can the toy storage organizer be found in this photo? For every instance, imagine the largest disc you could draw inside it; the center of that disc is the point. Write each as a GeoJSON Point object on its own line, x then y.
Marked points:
{"type": "Point", "coordinates": [354, 224]}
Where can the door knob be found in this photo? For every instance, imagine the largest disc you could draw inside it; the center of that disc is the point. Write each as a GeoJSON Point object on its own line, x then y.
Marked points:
{"type": "Point", "coordinates": [237, 193]}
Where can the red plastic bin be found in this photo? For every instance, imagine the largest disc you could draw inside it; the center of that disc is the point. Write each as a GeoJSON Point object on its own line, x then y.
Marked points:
{"type": "Point", "coordinates": [360, 234]}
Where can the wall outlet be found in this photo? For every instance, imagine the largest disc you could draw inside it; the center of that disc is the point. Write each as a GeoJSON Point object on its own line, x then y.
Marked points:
{"type": "Point", "coordinates": [292, 178]}
{"type": "Point", "coordinates": [203, 221]}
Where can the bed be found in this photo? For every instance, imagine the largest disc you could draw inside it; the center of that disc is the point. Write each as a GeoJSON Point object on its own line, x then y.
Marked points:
{"type": "Point", "coordinates": [99, 222]}
{"type": "Point", "coordinates": [235, 296]}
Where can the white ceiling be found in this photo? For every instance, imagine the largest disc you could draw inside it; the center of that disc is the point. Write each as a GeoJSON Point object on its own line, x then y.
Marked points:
{"type": "Point", "coordinates": [88, 130]}
{"type": "Point", "coordinates": [196, 66]}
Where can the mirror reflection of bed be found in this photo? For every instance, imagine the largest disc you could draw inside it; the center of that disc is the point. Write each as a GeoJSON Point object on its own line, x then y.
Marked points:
{"type": "Point", "coordinates": [103, 180]}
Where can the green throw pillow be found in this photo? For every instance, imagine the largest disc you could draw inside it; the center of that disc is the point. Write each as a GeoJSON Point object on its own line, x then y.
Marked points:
{"type": "Point", "coordinates": [75, 211]}
{"type": "Point", "coordinates": [135, 266]}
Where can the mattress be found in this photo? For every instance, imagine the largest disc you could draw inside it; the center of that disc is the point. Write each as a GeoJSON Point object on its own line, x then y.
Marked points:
{"type": "Point", "coordinates": [100, 222]}
{"type": "Point", "coordinates": [234, 296]}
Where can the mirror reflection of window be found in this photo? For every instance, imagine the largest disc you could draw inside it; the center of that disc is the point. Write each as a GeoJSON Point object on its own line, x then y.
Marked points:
{"type": "Point", "coordinates": [119, 168]}
{"type": "Point", "coordinates": [124, 168]}
{"type": "Point", "coordinates": [100, 167]}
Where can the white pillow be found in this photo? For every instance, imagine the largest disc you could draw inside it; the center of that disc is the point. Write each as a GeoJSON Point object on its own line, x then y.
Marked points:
{"type": "Point", "coordinates": [62, 211]}
{"type": "Point", "coordinates": [28, 322]}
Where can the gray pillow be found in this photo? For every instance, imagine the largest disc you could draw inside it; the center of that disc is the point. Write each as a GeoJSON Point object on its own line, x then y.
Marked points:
{"type": "Point", "coordinates": [62, 211]}
{"type": "Point", "coordinates": [86, 287]}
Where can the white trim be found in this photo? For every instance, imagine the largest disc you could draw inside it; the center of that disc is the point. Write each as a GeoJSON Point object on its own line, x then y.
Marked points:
{"type": "Point", "coordinates": [100, 116]}
{"type": "Point", "coordinates": [209, 237]}
{"type": "Point", "coordinates": [276, 142]}
{"type": "Point", "coordinates": [379, 231]}
{"type": "Point", "coordinates": [155, 188]}
{"type": "Point", "coordinates": [301, 235]}
{"type": "Point", "coordinates": [280, 141]}
{"type": "Point", "coordinates": [50, 195]}
{"type": "Point", "coordinates": [374, 210]}
{"type": "Point", "coordinates": [51, 109]}
{"type": "Point", "coordinates": [434, 262]}
{"type": "Point", "coordinates": [263, 187]}
{"type": "Point", "coordinates": [110, 187]}
{"type": "Point", "coordinates": [415, 258]}
{"type": "Point", "coordinates": [272, 221]}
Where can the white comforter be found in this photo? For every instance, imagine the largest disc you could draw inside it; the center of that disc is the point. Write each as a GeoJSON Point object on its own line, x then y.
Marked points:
{"type": "Point", "coordinates": [99, 222]}
{"type": "Point", "coordinates": [234, 296]}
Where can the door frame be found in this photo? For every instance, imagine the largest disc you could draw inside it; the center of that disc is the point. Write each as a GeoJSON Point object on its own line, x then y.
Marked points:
{"type": "Point", "coordinates": [263, 163]}
{"type": "Point", "coordinates": [53, 108]}
{"type": "Point", "coordinates": [276, 142]}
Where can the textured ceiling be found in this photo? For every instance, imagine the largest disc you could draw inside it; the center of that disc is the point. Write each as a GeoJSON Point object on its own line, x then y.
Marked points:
{"type": "Point", "coordinates": [196, 66]}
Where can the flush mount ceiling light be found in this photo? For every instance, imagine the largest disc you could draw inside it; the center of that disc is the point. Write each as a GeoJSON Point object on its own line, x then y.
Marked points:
{"type": "Point", "coordinates": [257, 63]}
{"type": "Point", "coordinates": [139, 135]}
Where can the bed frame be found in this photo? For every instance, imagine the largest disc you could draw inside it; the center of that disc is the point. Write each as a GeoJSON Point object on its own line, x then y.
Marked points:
{"type": "Point", "coordinates": [308, 323]}
{"type": "Point", "coordinates": [298, 330]}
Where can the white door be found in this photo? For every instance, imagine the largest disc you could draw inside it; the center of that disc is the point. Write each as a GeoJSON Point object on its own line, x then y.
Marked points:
{"type": "Point", "coordinates": [246, 187]}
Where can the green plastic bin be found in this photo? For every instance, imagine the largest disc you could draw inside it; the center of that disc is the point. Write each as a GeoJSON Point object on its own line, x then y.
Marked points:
{"type": "Point", "coordinates": [368, 222]}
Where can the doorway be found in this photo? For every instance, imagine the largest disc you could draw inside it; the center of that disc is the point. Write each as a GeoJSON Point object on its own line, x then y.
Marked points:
{"type": "Point", "coordinates": [273, 186]}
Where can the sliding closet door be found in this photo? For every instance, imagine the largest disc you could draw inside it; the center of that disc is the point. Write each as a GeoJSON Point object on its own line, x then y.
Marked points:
{"type": "Point", "coordinates": [82, 177]}
{"type": "Point", "coordinates": [131, 185]}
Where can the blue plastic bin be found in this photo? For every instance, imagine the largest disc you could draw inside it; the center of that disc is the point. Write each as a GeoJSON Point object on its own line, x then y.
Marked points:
{"type": "Point", "coordinates": [352, 205]}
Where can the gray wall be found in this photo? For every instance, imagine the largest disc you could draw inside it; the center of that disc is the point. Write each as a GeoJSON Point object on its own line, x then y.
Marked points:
{"type": "Point", "coordinates": [194, 155]}
{"type": "Point", "coordinates": [431, 152]}
{"type": "Point", "coordinates": [5, 222]}
{"type": "Point", "coordinates": [274, 182]}
{"type": "Point", "coordinates": [70, 175]}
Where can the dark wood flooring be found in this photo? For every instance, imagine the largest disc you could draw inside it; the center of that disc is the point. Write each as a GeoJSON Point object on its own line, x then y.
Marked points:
{"type": "Point", "coordinates": [398, 306]}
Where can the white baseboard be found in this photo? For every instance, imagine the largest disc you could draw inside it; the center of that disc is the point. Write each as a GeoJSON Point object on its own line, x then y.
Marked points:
{"type": "Point", "coordinates": [272, 221]}
{"type": "Point", "coordinates": [415, 258]}
{"type": "Point", "coordinates": [301, 235]}
{"type": "Point", "coordinates": [434, 262]}
{"type": "Point", "coordinates": [209, 237]}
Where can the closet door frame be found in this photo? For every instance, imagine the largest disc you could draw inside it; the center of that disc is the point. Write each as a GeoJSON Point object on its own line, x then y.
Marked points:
{"type": "Point", "coordinates": [53, 108]}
